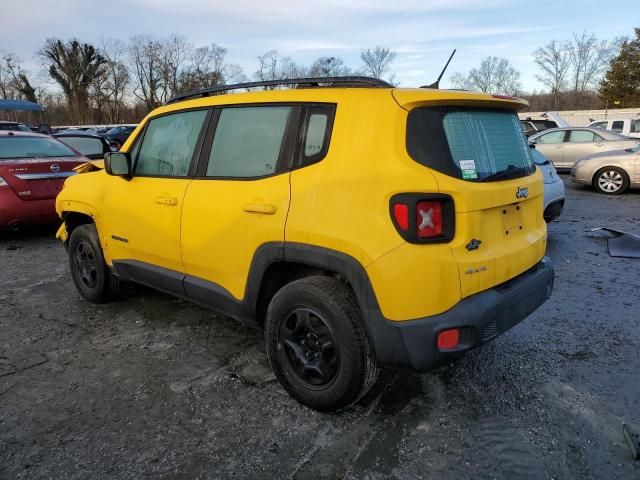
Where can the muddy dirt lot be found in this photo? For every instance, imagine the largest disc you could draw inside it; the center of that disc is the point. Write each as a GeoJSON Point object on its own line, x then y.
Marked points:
{"type": "Point", "coordinates": [152, 387]}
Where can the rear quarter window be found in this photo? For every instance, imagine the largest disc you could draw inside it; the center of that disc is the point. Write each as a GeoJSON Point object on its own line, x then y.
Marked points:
{"type": "Point", "coordinates": [471, 144]}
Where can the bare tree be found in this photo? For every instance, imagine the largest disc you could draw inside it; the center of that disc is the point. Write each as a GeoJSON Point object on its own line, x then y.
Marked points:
{"type": "Point", "coordinates": [460, 81]}
{"type": "Point", "coordinates": [554, 60]}
{"type": "Point", "coordinates": [14, 82]}
{"type": "Point", "coordinates": [144, 55]}
{"type": "Point", "coordinates": [73, 65]}
{"type": "Point", "coordinates": [116, 78]}
{"type": "Point", "coordinates": [495, 75]}
{"type": "Point", "coordinates": [271, 66]}
{"type": "Point", "coordinates": [329, 67]}
{"type": "Point", "coordinates": [7, 86]}
{"type": "Point", "coordinates": [589, 58]}
{"type": "Point", "coordinates": [377, 61]}
{"type": "Point", "coordinates": [208, 69]}
{"type": "Point", "coordinates": [175, 52]}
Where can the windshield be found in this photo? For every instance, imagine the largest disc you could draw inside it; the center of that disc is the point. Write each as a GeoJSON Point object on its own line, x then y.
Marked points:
{"type": "Point", "coordinates": [30, 147]}
{"type": "Point", "coordinates": [114, 131]}
{"type": "Point", "coordinates": [472, 144]}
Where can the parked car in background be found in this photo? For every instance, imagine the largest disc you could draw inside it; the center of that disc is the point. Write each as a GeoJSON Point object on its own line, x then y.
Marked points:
{"type": "Point", "coordinates": [563, 146]}
{"type": "Point", "coordinates": [625, 126]}
{"type": "Point", "coordinates": [533, 126]}
{"type": "Point", "coordinates": [118, 135]}
{"type": "Point", "coordinates": [611, 173]}
{"type": "Point", "coordinates": [13, 126]}
{"type": "Point", "coordinates": [91, 146]}
{"type": "Point", "coordinates": [33, 168]}
{"type": "Point", "coordinates": [554, 193]}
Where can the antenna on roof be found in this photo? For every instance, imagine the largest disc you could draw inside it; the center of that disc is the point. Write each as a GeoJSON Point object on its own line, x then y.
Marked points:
{"type": "Point", "coordinates": [436, 84]}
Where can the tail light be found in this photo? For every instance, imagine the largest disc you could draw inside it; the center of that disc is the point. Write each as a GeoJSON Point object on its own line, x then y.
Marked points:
{"type": "Point", "coordinates": [423, 218]}
{"type": "Point", "coordinates": [3, 183]}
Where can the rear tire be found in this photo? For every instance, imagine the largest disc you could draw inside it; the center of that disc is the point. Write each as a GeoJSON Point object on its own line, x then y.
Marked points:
{"type": "Point", "coordinates": [317, 343]}
{"type": "Point", "coordinates": [90, 273]}
{"type": "Point", "coordinates": [611, 181]}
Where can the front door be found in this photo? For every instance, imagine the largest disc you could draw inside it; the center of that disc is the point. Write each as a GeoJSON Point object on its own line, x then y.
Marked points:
{"type": "Point", "coordinates": [239, 199]}
{"type": "Point", "coordinates": [143, 223]}
{"type": "Point", "coordinates": [551, 146]}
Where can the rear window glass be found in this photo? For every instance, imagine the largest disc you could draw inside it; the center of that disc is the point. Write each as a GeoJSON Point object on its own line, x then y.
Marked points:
{"type": "Point", "coordinates": [469, 143]}
{"type": "Point", "coordinates": [617, 126]}
{"type": "Point", "coordinates": [84, 145]}
{"type": "Point", "coordinates": [31, 147]}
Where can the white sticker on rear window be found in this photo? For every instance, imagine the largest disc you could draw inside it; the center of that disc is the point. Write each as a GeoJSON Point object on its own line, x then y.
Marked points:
{"type": "Point", "coordinates": [468, 168]}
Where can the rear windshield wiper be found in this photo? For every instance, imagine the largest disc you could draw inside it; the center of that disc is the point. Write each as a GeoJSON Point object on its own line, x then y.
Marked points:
{"type": "Point", "coordinates": [510, 172]}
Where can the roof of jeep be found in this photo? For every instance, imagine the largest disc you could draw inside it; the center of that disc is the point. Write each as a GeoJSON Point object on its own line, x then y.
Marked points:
{"type": "Point", "coordinates": [407, 98]}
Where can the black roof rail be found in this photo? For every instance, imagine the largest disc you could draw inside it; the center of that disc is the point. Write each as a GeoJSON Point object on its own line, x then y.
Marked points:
{"type": "Point", "coordinates": [352, 81]}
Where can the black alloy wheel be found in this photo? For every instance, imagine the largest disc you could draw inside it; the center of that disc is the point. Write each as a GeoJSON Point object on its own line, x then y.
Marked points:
{"type": "Point", "coordinates": [85, 261]}
{"type": "Point", "coordinates": [90, 273]}
{"type": "Point", "coordinates": [317, 343]}
{"type": "Point", "coordinates": [310, 348]}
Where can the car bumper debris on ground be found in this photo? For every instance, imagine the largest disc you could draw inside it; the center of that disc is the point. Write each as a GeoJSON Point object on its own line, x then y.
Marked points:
{"type": "Point", "coordinates": [152, 387]}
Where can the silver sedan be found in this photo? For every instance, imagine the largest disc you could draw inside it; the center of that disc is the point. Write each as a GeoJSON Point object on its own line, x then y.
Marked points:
{"type": "Point", "coordinates": [563, 146]}
{"type": "Point", "coordinates": [609, 172]}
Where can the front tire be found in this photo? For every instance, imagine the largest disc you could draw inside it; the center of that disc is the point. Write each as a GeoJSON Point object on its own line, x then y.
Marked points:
{"type": "Point", "coordinates": [317, 343]}
{"type": "Point", "coordinates": [611, 181]}
{"type": "Point", "coordinates": [90, 273]}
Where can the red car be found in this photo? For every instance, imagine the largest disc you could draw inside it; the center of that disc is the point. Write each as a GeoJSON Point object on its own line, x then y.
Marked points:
{"type": "Point", "coordinates": [33, 168]}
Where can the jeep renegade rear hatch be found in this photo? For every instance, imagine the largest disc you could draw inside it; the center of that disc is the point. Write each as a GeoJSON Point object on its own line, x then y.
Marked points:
{"type": "Point", "coordinates": [473, 144]}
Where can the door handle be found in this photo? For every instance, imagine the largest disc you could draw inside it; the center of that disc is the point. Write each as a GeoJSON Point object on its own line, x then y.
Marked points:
{"type": "Point", "coordinates": [599, 144]}
{"type": "Point", "coordinates": [558, 147]}
{"type": "Point", "coordinates": [167, 201]}
{"type": "Point", "coordinates": [262, 208]}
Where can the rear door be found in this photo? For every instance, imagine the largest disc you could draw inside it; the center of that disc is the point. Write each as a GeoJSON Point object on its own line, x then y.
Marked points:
{"type": "Point", "coordinates": [580, 143]}
{"type": "Point", "coordinates": [239, 199]}
{"type": "Point", "coordinates": [35, 167]}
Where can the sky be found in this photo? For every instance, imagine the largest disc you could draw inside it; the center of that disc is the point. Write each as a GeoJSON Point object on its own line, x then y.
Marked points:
{"type": "Point", "coordinates": [422, 32]}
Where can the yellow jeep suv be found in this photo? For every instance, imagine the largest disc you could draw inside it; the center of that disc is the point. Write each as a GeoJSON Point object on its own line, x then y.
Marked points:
{"type": "Point", "coordinates": [360, 225]}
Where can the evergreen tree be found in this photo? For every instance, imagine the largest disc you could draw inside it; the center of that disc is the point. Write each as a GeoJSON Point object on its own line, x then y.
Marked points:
{"type": "Point", "coordinates": [620, 86]}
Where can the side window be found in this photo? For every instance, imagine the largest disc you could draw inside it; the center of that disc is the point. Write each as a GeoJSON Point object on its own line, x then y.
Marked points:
{"type": "Point", "coordinates": [248, 141]}
{"type": "Point", "coordinates": [617, 126]}
{"type": "Point", "coordinates": [168, 144]}
{"type": "Point", "coordinates": [316, 135]}
{"type": "Point", "coordinates": [635, 126]}
{"type": "Point", "coordinates": [581, 136]}
{"type": "Point", "coordinates": [602, 125]}
{"type": "Point", "coordinates": [551, 137]}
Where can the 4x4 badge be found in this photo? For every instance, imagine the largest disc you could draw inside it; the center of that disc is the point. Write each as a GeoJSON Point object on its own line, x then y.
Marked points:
{"type": "Point", "coordinates": [522, 192]}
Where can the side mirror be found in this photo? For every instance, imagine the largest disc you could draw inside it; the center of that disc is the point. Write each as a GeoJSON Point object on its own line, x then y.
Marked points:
{"type": "Point", "coordinates": [117, 164]}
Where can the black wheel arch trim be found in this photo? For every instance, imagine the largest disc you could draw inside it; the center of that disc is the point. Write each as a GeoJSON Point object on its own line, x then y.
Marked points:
{"type": "Point", "coordinates": [386, 339]}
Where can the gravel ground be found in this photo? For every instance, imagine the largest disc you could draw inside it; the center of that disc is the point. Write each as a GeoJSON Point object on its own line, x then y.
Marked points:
{"type": "Point", "coordinates": [152, 387]}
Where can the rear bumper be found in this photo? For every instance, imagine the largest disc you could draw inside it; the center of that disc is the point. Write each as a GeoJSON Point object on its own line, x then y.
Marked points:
{"type": "Point", "coordinates": [481, 318]}
{"type": "Point", "coordinates": [15, 212]}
